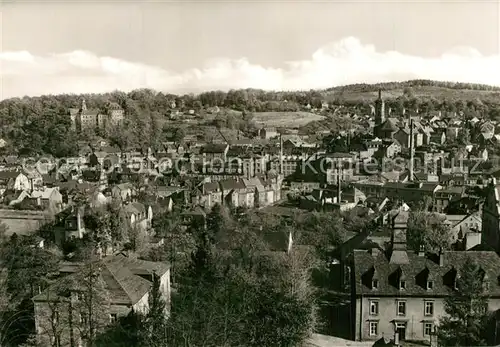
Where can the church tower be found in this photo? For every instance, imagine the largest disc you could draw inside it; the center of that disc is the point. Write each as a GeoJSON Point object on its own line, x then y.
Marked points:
{"type": "Point", "coordinates": [84, 105]}
{"type": "Point", "coordinates": [379, 109]}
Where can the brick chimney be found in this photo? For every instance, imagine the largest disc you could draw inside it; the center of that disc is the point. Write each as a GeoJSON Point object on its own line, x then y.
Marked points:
{"type": "Point", "coordinates": [398, 239]}
{"type": "Point", "coordinates": [441, 257]}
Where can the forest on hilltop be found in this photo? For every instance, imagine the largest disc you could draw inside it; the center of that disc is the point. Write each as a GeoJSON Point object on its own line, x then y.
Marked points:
{"type": "Point", "coordinates": [363, 87]}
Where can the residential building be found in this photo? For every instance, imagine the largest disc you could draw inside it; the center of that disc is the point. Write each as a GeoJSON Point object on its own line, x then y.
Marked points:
{"type": "Point", "coordinates": [83, 118]}
{"type": "Point", "coordinates": [236, 194]}
{"type": "Point", "coordinates": [14, 180]}
{"type": "Point", "coordinates": [62, 311]}
{"type": "Point", "coordinates": [214, 151]}
{"type": "Point", "coordinates": [268, 133]}
{"type": "Point", "coordinates": [210, 195]}
{"type": "Point", "coordinates": [138, 214]}
{"type": "Point", "coordinates": [48, 198]}
{"type": "Point", "coordinates": [291, 165]}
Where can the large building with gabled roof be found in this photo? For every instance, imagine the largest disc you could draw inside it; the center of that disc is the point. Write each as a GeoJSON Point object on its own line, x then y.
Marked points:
{"type": "Point", "coordinates": [83, 118]}
{"type": "Point", "coordinates": [123, 284]}
{"type": "Point", "coordinates": [396, 290]}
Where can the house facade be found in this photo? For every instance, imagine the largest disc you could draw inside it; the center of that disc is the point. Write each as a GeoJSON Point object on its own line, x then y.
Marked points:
{"type": "Point", "coordinates": [83, 118]}
{"type": "Point", "coordinates": [14, 180]}
{"type": "Point", "coordinates": [62, 310]}
{"type": "Point", "coordinates": [398, 291]}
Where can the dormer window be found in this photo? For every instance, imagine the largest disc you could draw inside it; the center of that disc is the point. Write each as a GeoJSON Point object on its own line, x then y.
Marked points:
{"type": "Point", "coordinates": [430, 285]}
{"type": "Point", "coordinates": [374, 284]}
{"type": "Point", "coordinates": [402, 284]}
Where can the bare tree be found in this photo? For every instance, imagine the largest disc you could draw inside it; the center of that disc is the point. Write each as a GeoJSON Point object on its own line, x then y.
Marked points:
{"type": "Point", "coordinates": [91, 304]}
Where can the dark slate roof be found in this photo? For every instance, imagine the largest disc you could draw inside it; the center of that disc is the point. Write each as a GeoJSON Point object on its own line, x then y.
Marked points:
{"type": "Point", "coordinates": [7, 175]}
{"type": "Point", "coordinates": [389, 125]}
{"type": "Point", "coordinates": [210, 187]}
{"type": "Point", "coordinates": [231, 184]}
{"type": "Point", "coordinates": [134, 208]}
{"type": "Point", "coordinates": [90, 112]}
{"type": "Point", "coordinates": [277, 241]}
{"type": "Point", "coordinates": [121, 275]}
{"type": "Point", "coordinates": [214, 148]}
{"type": "Point", "coordinates": [415, 271]}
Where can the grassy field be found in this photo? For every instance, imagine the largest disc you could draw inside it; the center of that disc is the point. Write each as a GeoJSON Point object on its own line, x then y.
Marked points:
{"type": "Point", "coordinates": [424, 92]}
{"type": "Point", "coordinates": [285, 119]}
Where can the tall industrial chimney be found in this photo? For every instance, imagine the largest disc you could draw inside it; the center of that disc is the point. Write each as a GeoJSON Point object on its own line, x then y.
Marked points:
{"type": "Point", "coordinates": [339, 182]}
{"type": "Point", "coordinates": [281, 155]}
{"type": "Point", "coordinates": [411, 150]}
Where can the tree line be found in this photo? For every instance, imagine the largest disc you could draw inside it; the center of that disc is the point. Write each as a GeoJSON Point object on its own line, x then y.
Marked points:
{"type": "Point", "coordinates": [35, 125]}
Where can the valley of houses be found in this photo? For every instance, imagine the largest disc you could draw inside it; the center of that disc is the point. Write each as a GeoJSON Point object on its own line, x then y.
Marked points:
{"type": "Point", "coordinates": [394, 290]}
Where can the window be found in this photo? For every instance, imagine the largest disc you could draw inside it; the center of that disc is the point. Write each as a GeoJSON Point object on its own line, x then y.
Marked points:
{"type": "Point", "coordinates": [430, 285]}
{"type": "Point", "coordinates": [113, 317]}
{"type": "Point", "coordinates": [80, 296]}
{"type": "Point", "coordinates": [375, 284]}
{"type": "Point", "coordinates": [83, 318]}
{"type": "Point", "coordinates": [428, 308]}
{"type": "Point", "coordinates": [486, 285]}
{"type": "Point", "coordinates": [401, 308]}
{"type": "Point", "coordinates": [374, 308]}
{"type": "Point", "coordinates": [373, 328]}
{"type": "Point", "coordinates": [428, 329]}
{"type": "Point", "coordinates": [402, 284]}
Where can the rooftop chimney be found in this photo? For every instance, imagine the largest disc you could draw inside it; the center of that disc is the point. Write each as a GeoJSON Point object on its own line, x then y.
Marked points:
{"type": "Point", "coordinates": [441, 257]}
{"type": "Point", "coordinates": [398, 243]}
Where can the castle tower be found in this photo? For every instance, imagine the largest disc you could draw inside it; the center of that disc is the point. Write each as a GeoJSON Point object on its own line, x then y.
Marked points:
{"type": "Point", "coordinates": [379, 109]}
{"type": "Point", "coordinates": [84, 105]}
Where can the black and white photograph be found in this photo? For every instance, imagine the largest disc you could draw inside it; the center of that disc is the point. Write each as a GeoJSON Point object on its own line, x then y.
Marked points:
{"type": "Point", "coordinates": [249, 173]}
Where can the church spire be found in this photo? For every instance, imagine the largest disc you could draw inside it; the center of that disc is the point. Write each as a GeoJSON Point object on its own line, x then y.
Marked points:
{"type": "Point", "coordinates": [379, 109]}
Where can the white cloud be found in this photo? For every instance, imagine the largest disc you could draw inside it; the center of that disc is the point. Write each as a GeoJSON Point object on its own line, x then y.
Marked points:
{"type": "Point", "coordinates": [343, 62]}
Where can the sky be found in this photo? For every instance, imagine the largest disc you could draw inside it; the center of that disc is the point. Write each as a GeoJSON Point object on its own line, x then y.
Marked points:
{"type": "Point", "coordinates": [53, 47]}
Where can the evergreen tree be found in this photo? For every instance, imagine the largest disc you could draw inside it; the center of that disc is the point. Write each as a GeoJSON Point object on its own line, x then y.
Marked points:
{"type": "Point", "coordinates": [154, 327]}
{"type": "Point", "coordinates": [466, 309]}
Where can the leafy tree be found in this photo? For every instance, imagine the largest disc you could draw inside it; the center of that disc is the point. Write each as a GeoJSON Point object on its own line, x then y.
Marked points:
{"type": "Point", "coordinates": [93, 302]}
{"type": "Point", "coordinates": [324, 231]}
{"type": "Point", "coordinates": [179, 243]}
{"type": "Point", "coordinates": [463, 137]}
{"type": "Point", "coordinates": [251, 305]}
{"type": "Point", "coordinates": [428, 230]}
{"type": "Point", "coordinates": [408, 92]}
{"type": "Point", "coordinates": [154, 325]}
{"type": "Point", "coordinates": [466, 310]}
{"type": "Point", "coordinates": [29, 267]}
